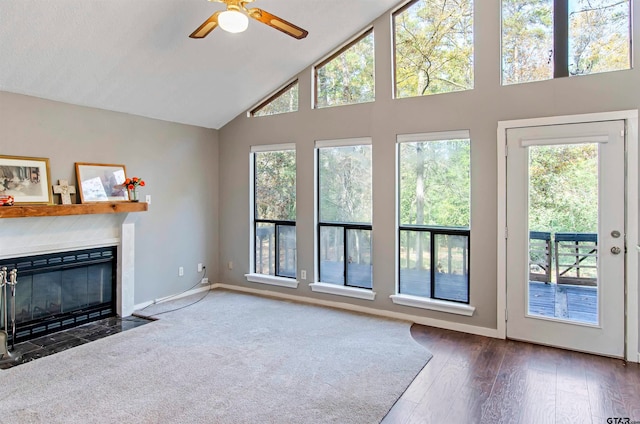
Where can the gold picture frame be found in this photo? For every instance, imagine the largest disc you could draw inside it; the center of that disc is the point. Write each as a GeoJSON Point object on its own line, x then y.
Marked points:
{"type": "Point", "coordinates": [98, 182]}
{"type": "Point", "coordinates": [27, 179]}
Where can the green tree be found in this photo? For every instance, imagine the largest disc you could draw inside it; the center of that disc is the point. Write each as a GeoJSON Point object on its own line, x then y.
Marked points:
{"type": "Point", "coordinates": [527, 40]}
{"type": "Point", "coordinates": [284, 102]}
{"type": "Point", "coordinates": [598, 36]}
{"type": "Point", "coordinates": [563, 188]}
{"type": "Point", "coordinates": [275, 185]}
{"type": "Point", "coordinates": [345, 184]}
{"type": "Point", "coordinates": [434, 47]}
{"type": "Point", "coordinates": [348, 78]}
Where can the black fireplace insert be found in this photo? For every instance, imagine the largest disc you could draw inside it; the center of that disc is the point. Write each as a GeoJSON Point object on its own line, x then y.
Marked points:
{"type": "Point", "coordinates": [63, 290]}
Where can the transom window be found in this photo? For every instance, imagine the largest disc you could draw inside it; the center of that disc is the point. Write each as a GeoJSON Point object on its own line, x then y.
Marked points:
{"type": "Point", "coordinates": [347, 77]}
{"type": "Point", "coordinates": [544, 39]}
{"type": "Point", "coordinates": [433, 46]}
{"type": "Point", "coordinates": [274, 204]}
{"type": "Point", "coordinates": [434, 211]}
{"type": "Point", "coordinates": [344, 212]}
{"type": "Point", "coordinates": [283, 101]}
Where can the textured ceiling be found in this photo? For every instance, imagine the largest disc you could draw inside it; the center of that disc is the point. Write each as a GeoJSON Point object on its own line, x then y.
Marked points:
{"type": "Point", "coordinates": [134, 56]}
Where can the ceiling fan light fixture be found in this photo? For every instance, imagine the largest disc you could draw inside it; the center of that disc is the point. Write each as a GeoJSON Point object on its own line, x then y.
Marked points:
{"type": "Point", "coordinates": [233, 21]}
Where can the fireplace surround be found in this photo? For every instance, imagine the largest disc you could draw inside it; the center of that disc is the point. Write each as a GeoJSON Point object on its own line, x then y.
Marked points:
{"type": "Point", "coordinates": [42, 230]}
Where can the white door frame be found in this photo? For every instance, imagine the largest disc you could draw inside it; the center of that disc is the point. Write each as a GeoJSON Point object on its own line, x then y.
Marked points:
{"type": "Point", "coordinates": [632, 194]}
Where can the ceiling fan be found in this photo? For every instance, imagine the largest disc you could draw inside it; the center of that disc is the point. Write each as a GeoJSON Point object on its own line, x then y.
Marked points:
{"type": "Point", "coordinates": [234, 19]}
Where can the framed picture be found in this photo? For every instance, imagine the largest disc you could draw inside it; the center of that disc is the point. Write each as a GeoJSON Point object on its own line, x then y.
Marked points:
{"type": "Point", "coordinates": [101, 182]}
{"type": "Point", "coordinates": [26, 179]}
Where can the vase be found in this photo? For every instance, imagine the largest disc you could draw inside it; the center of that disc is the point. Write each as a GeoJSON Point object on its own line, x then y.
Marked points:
{"type": "Point", "coordinates": [133, 195]}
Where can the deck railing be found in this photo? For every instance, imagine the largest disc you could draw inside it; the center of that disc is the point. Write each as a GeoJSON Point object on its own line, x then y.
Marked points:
{"type": "Point", "coordinates": [575, 256]}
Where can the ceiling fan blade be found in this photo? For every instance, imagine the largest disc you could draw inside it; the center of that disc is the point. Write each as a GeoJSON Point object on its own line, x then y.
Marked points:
{"type": "Point", "coordinates": [208, 26]}
{"type": "Point", "coordinates": [277, 23]}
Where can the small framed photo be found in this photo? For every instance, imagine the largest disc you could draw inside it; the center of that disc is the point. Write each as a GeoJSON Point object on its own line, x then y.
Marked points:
{"type": "Point", "coordinates": [25, 179]}
{"type": "Point", "coordinates": [101, 182]}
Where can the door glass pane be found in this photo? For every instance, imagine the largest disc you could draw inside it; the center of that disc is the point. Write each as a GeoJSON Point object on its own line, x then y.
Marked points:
{"type": "Point", "coordinates": [563, 232]}
{"type": "Point", "coordinates": [359, 258]}
{"type": "Point", "coordinates": [332, 255]}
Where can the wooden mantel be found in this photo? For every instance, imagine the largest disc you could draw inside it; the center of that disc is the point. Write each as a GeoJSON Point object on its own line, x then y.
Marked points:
{"type": "Point", "coordinates": [62, 210]}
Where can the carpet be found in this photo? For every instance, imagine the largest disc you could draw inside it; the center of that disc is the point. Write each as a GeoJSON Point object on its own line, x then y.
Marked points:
{"type": "Point", "coordinates": [231, 358]}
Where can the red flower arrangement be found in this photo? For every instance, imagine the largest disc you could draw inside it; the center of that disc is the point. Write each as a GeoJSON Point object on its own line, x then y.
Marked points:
{"type": "Point", "coordinates": [132, 185]}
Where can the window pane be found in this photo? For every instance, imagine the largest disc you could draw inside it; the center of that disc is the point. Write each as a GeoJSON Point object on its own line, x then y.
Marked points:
{"type": "Point", "coordinates": [359, 258]}
{"type": "Point", "coordinates": [434, 47]}
{"type": "Point", "coordinates": [415, 263]}
{"type": "Point", "coordinates": [598, 36]}
{"type": "Point", "coordinates": [284, 102]}
{"type": "Point", "coordinates": [452, 273]}
{"type": "Point", "coordinates": [265, 249]}
{"type": "Point", "coordinates": [287, 250]}
{"type": "Point", "coordinates": [435, 183]}
{"type": "Point", "coordinates": [527, 40]}
{"type": "Point", "coordinates": [332, 255]}
{"type": "Point", "coordinates": [349, 77]}
{"type": "Point", "coordinates": [275, 185]}
{"type": "Point", "coordinates": [345, 184]}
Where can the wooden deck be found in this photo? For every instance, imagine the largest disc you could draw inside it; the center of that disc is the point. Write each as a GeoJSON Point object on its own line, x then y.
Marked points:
{"type": "Point", "coordinates": [568, 302]}
{"type": "Point", "coordinates": [576, 303]}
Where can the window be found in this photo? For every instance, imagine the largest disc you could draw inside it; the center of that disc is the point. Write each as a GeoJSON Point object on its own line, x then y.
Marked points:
{"type": "Point", "coordinates": [344, 212]}
{"type": "Point", "coordinates": [433, 46]}
{"type": "Point", "coordinates": [347, 77]}
{"type": "Point", "coordinates": [285, 100]}
{"type": "Point", "coordinates": [274, 210]}
{"type": "Point", "coordinates": [434, 211]}
{"type": "Point", "coordinates": [545, 39]}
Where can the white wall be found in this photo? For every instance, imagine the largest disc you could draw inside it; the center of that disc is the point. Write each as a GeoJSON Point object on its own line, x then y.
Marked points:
{"type": "Point", "coordinates": [477, 110]}
{"type": "Point", "coordinates": [178, 162]}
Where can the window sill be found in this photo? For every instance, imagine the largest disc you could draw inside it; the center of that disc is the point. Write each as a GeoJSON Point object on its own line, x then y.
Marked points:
{"type": "Point", "coordinates": [343, 291]}
{"type": "Point", "coordinates": [272, 280]}
{"type": "Point", "coordinates": [433, 304]}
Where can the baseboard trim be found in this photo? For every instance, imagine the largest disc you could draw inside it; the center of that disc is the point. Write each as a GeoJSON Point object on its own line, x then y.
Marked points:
{"type": "Point", "coordinates": [172, 297]}
{"type": "Point", "coordinates": [464, 328]}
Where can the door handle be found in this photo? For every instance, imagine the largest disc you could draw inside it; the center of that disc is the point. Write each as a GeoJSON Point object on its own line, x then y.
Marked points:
{"type": "Point", "coordinates": [616, 250]}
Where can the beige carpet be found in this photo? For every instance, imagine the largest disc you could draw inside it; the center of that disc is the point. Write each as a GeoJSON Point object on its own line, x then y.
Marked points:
{"type": "Point", "coordinates": [231, 358]}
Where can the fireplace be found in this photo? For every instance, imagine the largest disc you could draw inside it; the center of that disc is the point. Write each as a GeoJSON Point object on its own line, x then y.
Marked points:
{"type": "Point", "coordinates": [61, 290]}
{"type": "Point", "coordinates": [44, 235]}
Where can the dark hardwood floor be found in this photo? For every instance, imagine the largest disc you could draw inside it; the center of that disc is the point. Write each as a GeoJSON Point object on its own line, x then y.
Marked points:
{"type": "Point", "coordinates": [475, 379]}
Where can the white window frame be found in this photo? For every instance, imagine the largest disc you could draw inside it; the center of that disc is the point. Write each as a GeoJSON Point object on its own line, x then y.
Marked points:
{"type": "Point", "coordinates": [317, 285]}
{"type": "Point", "coordinates": [253, 276]}
{"type": "Point", "coordinates": [419, 301]}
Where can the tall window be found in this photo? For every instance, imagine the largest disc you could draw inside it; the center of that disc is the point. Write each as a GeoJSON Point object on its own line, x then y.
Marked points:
{"type": "Point", "coordinates": [347, 77]}
{"type": "Point", "coordinates": [434, 202]}
{"type": "Point", "coordinates": [344, 212]}
{"type": "Point", "coordinates": [274, 203]}
{"type": "Point", "coordinates": [283, 101]}
{"type": "Point", "coordinates": [543, 39]}
{"type": "Point", "coordinates": [433, 45]}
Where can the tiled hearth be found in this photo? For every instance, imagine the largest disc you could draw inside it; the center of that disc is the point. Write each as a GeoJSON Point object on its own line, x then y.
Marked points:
{"type": "Point", "coordinates": [63, 340]}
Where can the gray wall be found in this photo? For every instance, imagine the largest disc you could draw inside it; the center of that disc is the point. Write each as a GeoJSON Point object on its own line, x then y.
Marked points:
{"type": "Point", "coordinates": [478, 110]}
{"type": "Point", "coordinates": [178, 162]}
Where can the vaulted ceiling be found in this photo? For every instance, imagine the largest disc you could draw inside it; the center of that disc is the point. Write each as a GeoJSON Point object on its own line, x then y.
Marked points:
{"type": "Point", "coordinates": [135, 56]}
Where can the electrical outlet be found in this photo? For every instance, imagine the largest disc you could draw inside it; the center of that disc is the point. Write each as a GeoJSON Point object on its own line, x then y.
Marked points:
{"type": "Point", "coordinates": [230, 265]}
{"type": "Point", "coordinates": [303, 274]}
{"type": "Point", "coordinates": [199, 267]}
{"type": "Point", "coordinates": [147, 199]}
{"type": "Point", "coordinates": [205, 280]}
{"type": "Point", "coordinates": [181, 271]}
